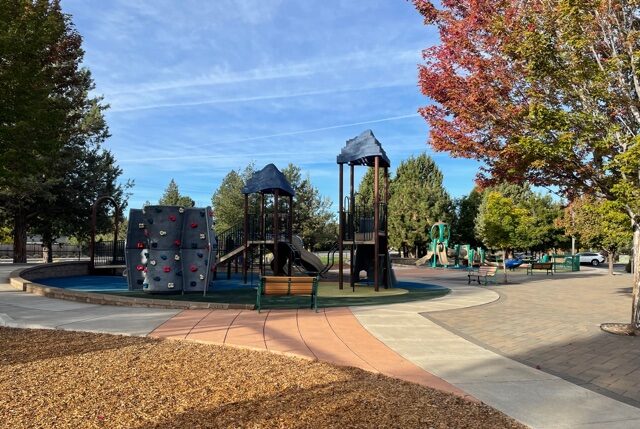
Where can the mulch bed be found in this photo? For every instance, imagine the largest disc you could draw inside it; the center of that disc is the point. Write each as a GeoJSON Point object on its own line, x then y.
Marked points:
{"type": "Point", "coordinates": [60, 379]}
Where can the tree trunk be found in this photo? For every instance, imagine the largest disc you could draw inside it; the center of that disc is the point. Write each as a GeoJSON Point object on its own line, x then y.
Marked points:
{"type": "Point", "coordinates": [47, 245]}
{"type": "Point", "coordinates": [635, 310]}
{"type": "Point", "coordinates": [19, 239]}
{"type": "Point", "coordinates": [504, 266]}
{"type": "Point", "coordinates": [611, 256]}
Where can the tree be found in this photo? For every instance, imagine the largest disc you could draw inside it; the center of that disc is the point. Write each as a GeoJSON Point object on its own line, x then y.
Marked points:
{"type": "Point", "coordinates": [365, 195]}
{"type": "Point", "coordinates": [418, 200]}
{"type": "Point", "coordinates": [311, 214]}
{"type": "Point", "coordinates": [48, 124]}
{"type": "Point", "coordinates": [463, 226]}
{"type": "Point", "coordinates": [172, 197]}
{"type": "Point", "coordinates": [598, 224]}
{"type": "Point", "coordinates": [228, 200]}
{"type": "Point", "coordinates": [501, 223]}
{"type": "Point", "coordinates": [80, 179]}
{"type": "Point", "coordinates": [547, 92]}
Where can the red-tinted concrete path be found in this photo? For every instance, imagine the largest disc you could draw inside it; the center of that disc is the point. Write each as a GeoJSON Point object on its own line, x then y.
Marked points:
{"type": "Point", "coordinates": [332, 335]}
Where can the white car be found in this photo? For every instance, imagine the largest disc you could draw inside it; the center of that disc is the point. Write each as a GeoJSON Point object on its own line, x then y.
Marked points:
{"type": "Point", "coordinates": [594, 259]}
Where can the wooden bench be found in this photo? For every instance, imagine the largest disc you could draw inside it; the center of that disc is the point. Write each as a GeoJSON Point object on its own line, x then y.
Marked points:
{"type": "Point", "coordinates": [486, 272]}
{"type": "Point", "coordinates": [288, 286]}
{"type": "Point", "coordinates": [540, 266]}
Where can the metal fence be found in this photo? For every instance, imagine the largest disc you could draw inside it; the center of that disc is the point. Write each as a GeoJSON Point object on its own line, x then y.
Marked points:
{"type": "Point", "coordinates": [38, 251]}
{"type": "Point", "coordinates": [105, 254]}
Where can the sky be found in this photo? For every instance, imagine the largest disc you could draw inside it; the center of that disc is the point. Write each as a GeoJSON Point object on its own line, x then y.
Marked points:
{"type": "Point", "coordinates": [199, 88]}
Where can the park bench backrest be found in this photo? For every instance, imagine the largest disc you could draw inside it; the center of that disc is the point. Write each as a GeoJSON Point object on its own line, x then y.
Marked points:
{"type": "Point", "coordinates": [542, 265]}
{"type": "Point", "coordinates": [487, 271]}
{"type": "Point", "coordinates": [273, 285]}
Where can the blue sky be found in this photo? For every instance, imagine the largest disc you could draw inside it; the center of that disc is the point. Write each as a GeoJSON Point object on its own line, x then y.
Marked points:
{"type": "Point", "coordinates": [198, 88]}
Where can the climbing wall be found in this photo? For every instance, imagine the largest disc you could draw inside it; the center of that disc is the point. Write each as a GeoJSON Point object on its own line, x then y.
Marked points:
{"type": "Point", "coordinates": [176, 252]}
{"type": "Point", "coordinates": [197, 239]}
{"type": "Point", "coordinates": [135, 248]}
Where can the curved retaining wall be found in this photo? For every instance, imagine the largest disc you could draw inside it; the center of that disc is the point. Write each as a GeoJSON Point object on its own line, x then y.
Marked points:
{"type": "Point", "coordinates": [26, 279]}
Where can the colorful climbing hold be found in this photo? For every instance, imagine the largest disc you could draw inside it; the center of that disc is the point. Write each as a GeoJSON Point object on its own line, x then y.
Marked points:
{"type": "Point", "coordinates": [193, 268]}
{"type": "Point", "coordinates": [193, 284]}
{"type": "Point", "coordinates": [201, 276]}
{"type": "Point", "coordinates": [163, 233]}
{"type": "Point", "coordinates": [200, 254]}
{"type": "Point", "coordinates": [181, 210]}
{"type": "Point", "coordinates": [152, 262]}
{"type": "Point", "coordinates": [170, 285]}
{"type": "Point", "coordinates": [194, 225]}
{"type": "Point", "coordinates": [202, 236]}
{"type": "Point", "coordinates": [176, 257]}
{"type": "Point", "coordinates": [177, 243]}
{"type": "Point", "coordinates": [140, 267]}
{"type": "Point", "coordinates": [157, 278]}
{"type": "Point", "coordinates": [166, 269]}
{"type": "Point", "coordinates": [140, 245]}
{"type": "Point", "coordinates": [163, 257]}
{"type": "Point", "coordinates": [141, 225]}
{"type": "Point", "coordinates": [172, 218]}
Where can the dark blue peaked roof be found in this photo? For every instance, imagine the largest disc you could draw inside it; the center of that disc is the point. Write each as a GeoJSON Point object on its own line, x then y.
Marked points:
{"type": "Point", "coordinates": [362, 150]}
{"type": "Point", "coordinates": [267, 181]}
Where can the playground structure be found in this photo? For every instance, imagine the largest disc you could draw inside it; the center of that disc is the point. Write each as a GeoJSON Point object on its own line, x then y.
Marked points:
{"type": "Point", "coordinates": [169, 249]}
{"type": "Point", "coordinates": [269, 230]}
{"type": "Point", "coordinates": [439, 252]}
{"type": "Point", "coordinates": [363, 229]}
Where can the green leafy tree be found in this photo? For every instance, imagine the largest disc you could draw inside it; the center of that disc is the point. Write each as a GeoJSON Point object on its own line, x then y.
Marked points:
{"type": "Point", "coordinates": [172, 197]}
{"type": "Point", "coordinates": [598, 224]}
{"type": "Point", "coordinates": [228, 200]}
{"type": "Point", "coordinates": [501, 223]}
{"type": "Point", "coordinates": [312, 217]}
{"type": "Point", "coordinates": [49, 125]}
{"type": "Point", "coordinates": [365, 195]}
{"type": "Point", "coordinates": [463, 227]}
{"type": "Point", "coordinates": [545, 92]}
{"type": "Point", "coordinates": [418, 200]}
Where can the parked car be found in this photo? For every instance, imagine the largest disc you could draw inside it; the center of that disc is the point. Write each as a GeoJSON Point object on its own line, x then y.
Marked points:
{"type": "Point", "coordinates": [594, 259]}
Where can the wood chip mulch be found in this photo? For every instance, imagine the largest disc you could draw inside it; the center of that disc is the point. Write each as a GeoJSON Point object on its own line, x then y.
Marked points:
{"type": "Point", "coordinates": [60, 379]}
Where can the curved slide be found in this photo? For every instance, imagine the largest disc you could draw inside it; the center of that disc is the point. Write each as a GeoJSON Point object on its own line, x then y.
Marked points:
{"type": "Point", "coordinates": [310, 261]}
{"type": "Point", "coordinates": [425, 259]}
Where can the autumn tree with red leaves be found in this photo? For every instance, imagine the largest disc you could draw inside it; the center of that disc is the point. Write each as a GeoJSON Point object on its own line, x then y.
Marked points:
{"type": "Point", "coordinates": [545, 92]}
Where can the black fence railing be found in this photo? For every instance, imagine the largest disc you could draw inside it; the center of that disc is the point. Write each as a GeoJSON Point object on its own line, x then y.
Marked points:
{"type": "Point", "coordinates": [232, 238]}
{"type": "Point", "coordinates": [359, 225]}
{"type": "Point", "coordinates": [105, 254]}
{"type": "Point", "coordinates": [38, 251]}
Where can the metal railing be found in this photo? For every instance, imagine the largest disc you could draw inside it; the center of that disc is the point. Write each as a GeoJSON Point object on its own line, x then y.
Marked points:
{"type": "Point", "coordinates": [232, 238]}
{"type": "Point", "coordinates": [38, 251]}
{"type": "Point", "coordinates": [105, 253]}
{"type": "Point", "coordinates": [359, 225]}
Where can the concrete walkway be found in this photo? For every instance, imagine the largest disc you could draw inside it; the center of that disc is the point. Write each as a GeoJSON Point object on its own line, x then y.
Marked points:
{"type": "Point", "coordinates": [23, 310]}
{"type": "Point", "coordinates": [381, 339]}
{"type": "Point", "coordinates": [533, 397]}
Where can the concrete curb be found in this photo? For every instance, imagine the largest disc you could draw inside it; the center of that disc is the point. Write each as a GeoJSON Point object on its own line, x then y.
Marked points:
{"type": "Point", "coordinates": [25, 279]}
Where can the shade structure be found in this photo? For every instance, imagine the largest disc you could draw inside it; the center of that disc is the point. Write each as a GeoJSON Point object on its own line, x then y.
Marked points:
{"type": "Point", "coordinates": [363, 150]}
{"type": "Point", "coordinates": [267, 181]}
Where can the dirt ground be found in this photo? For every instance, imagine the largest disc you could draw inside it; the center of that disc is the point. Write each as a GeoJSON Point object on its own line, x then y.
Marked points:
{"type": "Point", "coordinates": [59, 379]}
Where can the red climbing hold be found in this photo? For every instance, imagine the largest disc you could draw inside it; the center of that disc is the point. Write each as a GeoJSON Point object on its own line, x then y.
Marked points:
{"type": "Point", "coordinates": [172, 218]}
{"type": "Point", "coordinates": [177, 243]}
{"type": "Point", "coordinates": [139, 267]}
{"type": "Point", "coordinates": [193, 268]}
{"type": "Point", "coordinates": [166, 269]}
{"type": "Point", "coordinates": [194, 225]}
{"type": "Point", "coordinates": [140, 245]}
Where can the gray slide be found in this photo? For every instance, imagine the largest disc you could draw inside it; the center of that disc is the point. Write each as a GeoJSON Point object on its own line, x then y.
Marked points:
{"type": "Point", "coordinates": [308, 258]}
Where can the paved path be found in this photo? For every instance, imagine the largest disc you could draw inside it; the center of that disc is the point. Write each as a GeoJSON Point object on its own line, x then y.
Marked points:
{"type": "Point", "coordinates": [554, 325]}
{"type": "Point", "coordinates": [534, 397]}
{"type": "Point", "coordinates": [23, 310]}
{"type": "Point", "coordinates": [330, 335]}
